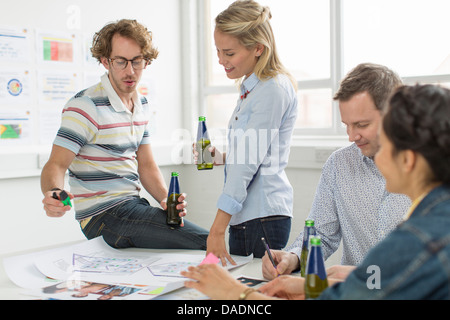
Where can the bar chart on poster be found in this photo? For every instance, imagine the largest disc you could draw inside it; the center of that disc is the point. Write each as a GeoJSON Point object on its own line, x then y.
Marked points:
{"type": "Point", "coordinates": [57, 49]}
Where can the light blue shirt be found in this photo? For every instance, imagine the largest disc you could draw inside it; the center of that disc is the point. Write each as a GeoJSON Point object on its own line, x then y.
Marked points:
{"type": "Point", "coordinates": [259, 136]}
{"type": "Point", "coordinates": [352, 204]}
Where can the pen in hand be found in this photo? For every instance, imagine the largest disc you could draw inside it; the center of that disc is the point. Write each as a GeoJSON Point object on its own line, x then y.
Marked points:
{"type": "Point", "coordinates": [269, 254]}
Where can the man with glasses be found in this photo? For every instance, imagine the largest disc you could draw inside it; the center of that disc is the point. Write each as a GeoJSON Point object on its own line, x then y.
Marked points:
{"type": "Point", "coordinates": [104, 143]}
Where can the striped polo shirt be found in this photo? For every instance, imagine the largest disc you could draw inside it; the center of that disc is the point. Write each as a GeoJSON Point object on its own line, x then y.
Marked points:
{"type": "Point", "coordinates": [105, 136]}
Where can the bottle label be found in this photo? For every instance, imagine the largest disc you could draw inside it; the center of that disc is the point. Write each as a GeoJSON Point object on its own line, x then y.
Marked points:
{"type": "Point", "coordinates": [173, 214]}
{"type": "Point", "coordinates": [204, 160]}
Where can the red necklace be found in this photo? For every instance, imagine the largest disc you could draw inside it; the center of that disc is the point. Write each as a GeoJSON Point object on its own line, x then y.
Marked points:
{"type": "Point", "coordinates": [245, 95]}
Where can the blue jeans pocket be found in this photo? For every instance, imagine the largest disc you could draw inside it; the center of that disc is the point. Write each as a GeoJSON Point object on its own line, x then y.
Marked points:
{"type": "Point", "coordinates": [245, 238]}
{"type": "Point", "coordinates": [113, 239]}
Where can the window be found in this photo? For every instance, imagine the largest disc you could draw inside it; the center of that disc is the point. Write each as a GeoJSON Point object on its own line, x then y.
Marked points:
{"type": "Point", "coordinates": [310, 47]}
{"type": "Point", "coordinates": [409, 36]}
{"type": "Point", "coordinates": [320, 41]}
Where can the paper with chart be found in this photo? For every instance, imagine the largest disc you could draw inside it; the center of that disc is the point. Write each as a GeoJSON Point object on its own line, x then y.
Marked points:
{"type": "Point", "coordinates": [94, 260]}
{"type": "Point", "coordinates": [110, 265]}
{"type": "Point", "coordinates": [171, 265]}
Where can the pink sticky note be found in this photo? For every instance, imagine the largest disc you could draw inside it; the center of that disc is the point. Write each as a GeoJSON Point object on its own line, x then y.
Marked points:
{"type": "Point", "coordinates": [210, 259]}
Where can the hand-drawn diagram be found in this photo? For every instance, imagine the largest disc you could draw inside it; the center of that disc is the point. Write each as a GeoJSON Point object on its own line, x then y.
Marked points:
{"type": "Point", "coordinates": [171, 269]}
{"type": "Point", "coordinates": [106, 264]}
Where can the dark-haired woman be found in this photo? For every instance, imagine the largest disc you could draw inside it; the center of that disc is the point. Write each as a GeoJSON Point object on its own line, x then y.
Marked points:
{"type": "Point", "coordinates": [413, 262]}
{"type": "Point", "coordinates": [414, 158]}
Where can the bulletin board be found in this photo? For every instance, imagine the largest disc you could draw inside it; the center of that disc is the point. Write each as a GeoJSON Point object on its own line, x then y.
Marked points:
{"type": "Point", "coordinates": [45, 60]}
{"type": "Point", "coordinates": [33, 92]}
{"type": "Point", "coordinates": [41, 70]}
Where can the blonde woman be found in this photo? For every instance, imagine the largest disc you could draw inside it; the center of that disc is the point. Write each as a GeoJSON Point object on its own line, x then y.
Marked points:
{"type": "Point", "coordinates": [257, 197]}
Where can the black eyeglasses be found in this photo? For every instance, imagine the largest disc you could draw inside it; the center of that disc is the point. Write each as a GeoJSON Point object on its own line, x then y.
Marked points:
{"type": "Point", "coordinates": [121, 63]}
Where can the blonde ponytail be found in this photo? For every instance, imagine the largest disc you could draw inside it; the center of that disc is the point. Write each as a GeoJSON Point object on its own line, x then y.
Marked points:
{"type": "Point", "coordinates": [249, 22]}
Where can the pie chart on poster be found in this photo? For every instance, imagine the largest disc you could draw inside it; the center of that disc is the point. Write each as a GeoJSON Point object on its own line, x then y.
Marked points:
{"type": "Point", "coordinates": [15, 87]}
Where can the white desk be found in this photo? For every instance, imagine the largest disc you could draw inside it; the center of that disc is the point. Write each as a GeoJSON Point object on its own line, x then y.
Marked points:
{"type": "Point", "coordinates": [10, 291]}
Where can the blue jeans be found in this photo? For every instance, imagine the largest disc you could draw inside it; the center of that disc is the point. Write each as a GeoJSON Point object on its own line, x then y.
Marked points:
{"type": "Point", "coordinates": [245, 238]}
{"type": "Point", "coordinates": [136, 223]}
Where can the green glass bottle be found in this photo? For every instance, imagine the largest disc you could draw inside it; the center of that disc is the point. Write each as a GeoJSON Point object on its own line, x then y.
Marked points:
{"type": "Point", "coordinates": [316, 276]}
{"type": "Point", "coordinates": [309, 230]}
{"type": "Point", "coordinates": [205, 160]}
{"type": "Point", "coordinates": [173, 214]}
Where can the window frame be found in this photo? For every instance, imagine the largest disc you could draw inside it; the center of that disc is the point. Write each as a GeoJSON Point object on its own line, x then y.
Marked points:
{"type": "Point", "coordinates": [196, 90]}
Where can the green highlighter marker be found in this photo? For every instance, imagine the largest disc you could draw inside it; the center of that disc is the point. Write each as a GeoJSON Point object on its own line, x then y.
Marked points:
{"type": "Point", "coordinates": [65, 199]}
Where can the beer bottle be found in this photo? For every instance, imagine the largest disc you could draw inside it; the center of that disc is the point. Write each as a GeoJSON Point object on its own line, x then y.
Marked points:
{"type": "Point", "coordinates": [309, 231]}
{"type": "Point", "coordinates": [205, 160]}
{"type": "Point", "coordinates": [316, 275]}
{"type": "Point", "coordinates": [173, 214]}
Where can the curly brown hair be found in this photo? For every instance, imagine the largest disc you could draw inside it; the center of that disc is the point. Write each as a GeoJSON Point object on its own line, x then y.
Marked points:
{"type": "Point", "coordinates": [418, 118]}
{"type": "Point", "coordinates": [102, 47]}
